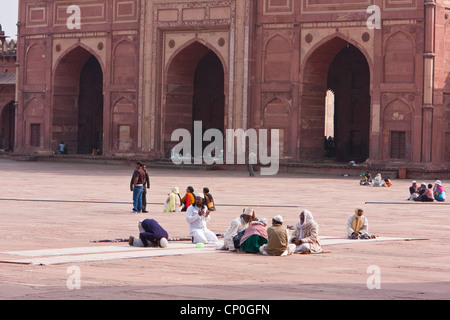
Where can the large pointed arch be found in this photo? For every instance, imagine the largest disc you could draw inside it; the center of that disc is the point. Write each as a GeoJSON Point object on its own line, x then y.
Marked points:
{"type": "Point", "coordinates": [77, 108]}
{"type": "Point", "coordinates": [7, 126]}
{"type": "Point", "coordinates": [316, 78]}
{"type": "Point", "coordinates": [194, 90]}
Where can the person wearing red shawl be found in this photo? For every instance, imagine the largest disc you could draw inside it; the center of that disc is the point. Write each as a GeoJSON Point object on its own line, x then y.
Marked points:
{"type": "Point", "coordinates": [188, 198]}
{"type": "Point", "coordinates": [255, 236]}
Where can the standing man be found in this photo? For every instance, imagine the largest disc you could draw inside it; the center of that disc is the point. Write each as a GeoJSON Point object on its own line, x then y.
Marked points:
{"type": "Point", "coordinates": [252, 159]}
{"type": "Point", "coordinates": [197, 215]}
{"type": "Point", "coordinates": [137, 186]}
{"type": "Point", "coordinates": [144, 193]}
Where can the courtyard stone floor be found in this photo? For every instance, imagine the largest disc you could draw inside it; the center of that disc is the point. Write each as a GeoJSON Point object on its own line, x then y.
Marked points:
{"type": "Point", "coordinates": [94, 202]}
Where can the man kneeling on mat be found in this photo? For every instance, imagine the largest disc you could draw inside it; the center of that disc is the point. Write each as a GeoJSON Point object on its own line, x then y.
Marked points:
{"type": "Point", "coordinates": [151, 234]}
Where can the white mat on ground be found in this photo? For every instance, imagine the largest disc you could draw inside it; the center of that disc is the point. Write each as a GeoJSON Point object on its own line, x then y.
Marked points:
{"type": "Point", "coordinates": [92, 249]}
{"type": "Point", "coordinates": [327, 241]}
{"type": "Point", "coordinates": [110, 252]}
{"type": "Point", "coordinates": [89, 254]}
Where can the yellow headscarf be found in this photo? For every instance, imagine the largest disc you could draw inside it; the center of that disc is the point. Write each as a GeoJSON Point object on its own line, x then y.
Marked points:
{"type": "Point", "coordinates": [358, 221]}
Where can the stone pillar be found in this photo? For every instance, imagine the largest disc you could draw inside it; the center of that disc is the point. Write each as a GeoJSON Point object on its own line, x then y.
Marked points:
{"type": "Point", "coordinates": [428, 80]}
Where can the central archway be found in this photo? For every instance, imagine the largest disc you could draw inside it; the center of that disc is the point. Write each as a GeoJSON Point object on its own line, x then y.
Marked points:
{"type": "Point", "coordinates": [194, 91]}
{"type": "Point", "coordinates": [349, 79]}
{"type": "Point", "coordinates": [340, 67]}
{"type": "Point", "coordinates": [78, 102]}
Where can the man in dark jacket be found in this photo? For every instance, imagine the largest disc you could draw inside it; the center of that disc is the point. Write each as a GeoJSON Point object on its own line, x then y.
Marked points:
{"type": "Point", "coordinates": [137, 186]}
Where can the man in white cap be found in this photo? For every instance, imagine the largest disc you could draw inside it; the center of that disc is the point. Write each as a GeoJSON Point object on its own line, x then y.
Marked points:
{"type": "Point", "coordinates": [413, 191]}
{"type": "Point", "coordinates": [197, 215]}
{"type": "Point", "coordinates": [237, 225]}
{"type": "Point", "coordinates": [151, 234]}
{"type": "Point", "coordinates": [278, 240]}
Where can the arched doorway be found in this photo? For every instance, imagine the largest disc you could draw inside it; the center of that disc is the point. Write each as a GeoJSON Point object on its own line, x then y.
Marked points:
{"type": "Point", "coordinates": [349, 79]}
{"type": "Point", "coordinates": [194, 92]}
{"type": "Point", "coordinates": [7, 127]}
{"type": "Point", "coordinates": [337, 74]}
{"type": "Point", "coordinates": [78, 102]}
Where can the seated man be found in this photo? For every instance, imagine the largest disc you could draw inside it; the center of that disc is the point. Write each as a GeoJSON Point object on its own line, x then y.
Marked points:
{"type": "Point", "coordinates": [426, 194]}
{"type": "Point", "coordinates": [237, 225]}
{"type": "Point", "coordinates": [421, 190]}
{"type": "Point", "coordinates": [278, 240]}
{"type": "Point", "coordinates": [197, 215]}
{"type": "Point", "coordinates": [150, 234]}
{"type": "Point", "coordinates": [358, 226]}
{"type": "Point", "coordinates": [255, 236]}
{"type": "Point", "coordinates": [306, 234]}
{"type": "Point", "coordinates": [413, 193]}
{"type": "Point", "coordinates": [377, 180]}
{"type": "Point", "coordinates": [62, 148]}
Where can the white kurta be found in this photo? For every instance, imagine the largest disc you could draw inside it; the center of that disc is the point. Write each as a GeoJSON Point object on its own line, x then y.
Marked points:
{"type": "Point", "coordinates": [197, 226]}
{"type": "Point", "coordinates": [236, 226]}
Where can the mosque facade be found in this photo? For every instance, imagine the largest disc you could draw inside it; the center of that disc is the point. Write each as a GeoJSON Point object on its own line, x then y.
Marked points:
{"type": "Point", "coordinates": [121, 75]}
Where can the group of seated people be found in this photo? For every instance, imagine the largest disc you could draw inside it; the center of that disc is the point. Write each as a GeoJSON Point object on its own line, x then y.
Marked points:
{"type": "Point", "coordinates": [249, 234]}
{"type": "Point", "coordinates": [427, 193]}
{"type": "Point", "coordinates": [366, 180]}
{"type": "Point", "coordinates": [175, 203]}
{"type": "Point", "coordinates": [276, 241]}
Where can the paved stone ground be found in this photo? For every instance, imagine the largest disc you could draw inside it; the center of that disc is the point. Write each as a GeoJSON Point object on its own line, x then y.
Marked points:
{"type": "Point", "coordinates": [409, 269]}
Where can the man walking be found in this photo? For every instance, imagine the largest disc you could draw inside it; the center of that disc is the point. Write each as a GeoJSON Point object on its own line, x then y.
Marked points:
{"type": "Point", "coordinates": [137, 186]}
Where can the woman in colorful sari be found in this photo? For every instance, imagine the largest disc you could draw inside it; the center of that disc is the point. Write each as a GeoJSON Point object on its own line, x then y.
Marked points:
{"type": "Point", "coordinates": [438, 191]}
{"type": "Point", "coordinates": [174, 201]}
{"type": "Point", "coordinates": [188, 199]}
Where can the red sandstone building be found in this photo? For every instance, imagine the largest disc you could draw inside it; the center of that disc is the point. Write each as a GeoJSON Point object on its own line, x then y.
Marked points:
{"type": "Point", "coordinates": [136, 70]}
{"type": "Point", "coordinates": [7, 92]}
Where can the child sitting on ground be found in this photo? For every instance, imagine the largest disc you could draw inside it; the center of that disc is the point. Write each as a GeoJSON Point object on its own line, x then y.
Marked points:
{"type": "Point", "coordinates": [387, 183]}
